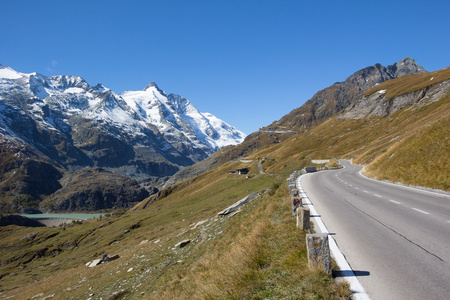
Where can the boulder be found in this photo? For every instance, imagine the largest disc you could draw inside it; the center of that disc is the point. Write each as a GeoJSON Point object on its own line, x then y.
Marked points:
{"type": "Point", "coordinates": [94, 263]}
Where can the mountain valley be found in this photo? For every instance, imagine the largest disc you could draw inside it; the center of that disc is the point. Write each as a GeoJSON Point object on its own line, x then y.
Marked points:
{"type": "Point", "coordinates": [394, 120]}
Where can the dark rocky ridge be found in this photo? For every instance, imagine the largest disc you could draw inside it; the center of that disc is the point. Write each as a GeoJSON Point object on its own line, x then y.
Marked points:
{"type": "Point", "coordinates": [335, 98]}
{"type": "Point", "coordinates": [377, 105]}
{"type": "Point", "coordinates": [19, 221]}
{"type": "Point", "coordinates": [94, 189]}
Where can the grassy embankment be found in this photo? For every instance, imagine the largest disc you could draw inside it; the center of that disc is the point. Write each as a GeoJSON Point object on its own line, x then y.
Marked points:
{"type": "Point", "coordinates": [257, 253]}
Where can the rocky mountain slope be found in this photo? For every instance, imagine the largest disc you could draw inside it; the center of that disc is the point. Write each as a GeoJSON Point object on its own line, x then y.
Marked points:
{"type": "Point", "coordinates": [57, 125]}
{"type": "Point", "coordinates": [318, 109]}
{"type": "Point", "coordinates": [335, 98]}
{"type": "Point", "coordinates": [381, 102]}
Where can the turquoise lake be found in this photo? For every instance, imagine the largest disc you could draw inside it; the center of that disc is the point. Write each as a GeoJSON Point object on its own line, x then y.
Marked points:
{"type": "Point", "coordinates": [62, 216]}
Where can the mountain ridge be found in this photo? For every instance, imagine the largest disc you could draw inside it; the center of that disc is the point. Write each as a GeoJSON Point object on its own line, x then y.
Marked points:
{"type": "Point", "coordinates": [324, 104]}
{"type": "Point", "coordinates": [67, 123]}
{"type": "Point", "coordinates": [334, 98]}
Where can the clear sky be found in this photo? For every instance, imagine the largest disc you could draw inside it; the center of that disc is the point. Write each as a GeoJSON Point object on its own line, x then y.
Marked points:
{"type": "Point", "coordinates": [249, 62]}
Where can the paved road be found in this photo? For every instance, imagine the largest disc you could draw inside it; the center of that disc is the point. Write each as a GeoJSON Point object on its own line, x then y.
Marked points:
{"type": "Point", "coordinates": [396, 239]}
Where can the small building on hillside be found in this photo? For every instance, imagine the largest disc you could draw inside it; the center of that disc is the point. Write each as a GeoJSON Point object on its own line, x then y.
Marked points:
{"type": "Point", "coordinates": [241, 171]}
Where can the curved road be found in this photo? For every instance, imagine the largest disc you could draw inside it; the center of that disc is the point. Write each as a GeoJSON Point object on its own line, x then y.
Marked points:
{"type": "Point", "coordinates": [395, 238]}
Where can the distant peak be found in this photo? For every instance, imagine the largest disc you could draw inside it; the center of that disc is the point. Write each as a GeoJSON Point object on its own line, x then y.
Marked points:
{"type": "Point", "coordinates": [100, 88]}
{"type": "Point", "coordinates": [408, 60]}
{"type": "Point", "coordinates": [153, 84]}
{"type": "Point", "coordinates": [406, 66]}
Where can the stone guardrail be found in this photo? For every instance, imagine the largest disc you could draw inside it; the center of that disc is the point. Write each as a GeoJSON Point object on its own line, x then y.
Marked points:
{"type": "Point", "coordinates": [317, 245]}
{"type": "Point", "coordinates": [320, 245]}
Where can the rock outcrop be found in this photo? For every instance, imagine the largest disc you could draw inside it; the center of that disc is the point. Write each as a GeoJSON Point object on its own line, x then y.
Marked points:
{"type": "Point", "coordinates": [378, 105]}
{"type": "Point", "coordinates": [335, 98]}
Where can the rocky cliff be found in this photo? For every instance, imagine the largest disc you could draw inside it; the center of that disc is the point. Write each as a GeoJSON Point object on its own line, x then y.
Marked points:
{"type": "Point", "coordinates": [382, 101]}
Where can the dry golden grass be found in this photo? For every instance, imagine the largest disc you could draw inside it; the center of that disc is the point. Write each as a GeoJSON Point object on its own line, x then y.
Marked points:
{"type": "Point", "coordinates": [422, 158]}
{"type": "Point", "coordinates": [264, 256]}
{"type": "Point", "coordinates": [411, 83]}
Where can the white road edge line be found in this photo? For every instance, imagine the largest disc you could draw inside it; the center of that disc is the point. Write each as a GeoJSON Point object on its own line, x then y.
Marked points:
{"type": "Point", "coordinates": [424, 212]}
{"type": "Point", "coordinates": [359, 293]}
{"type": "Point", "coordinates": [396, 202]}
{"type": "Point", "coordinates": [403, 186]}
{"type": "Point", "coordinates": [376, 195]}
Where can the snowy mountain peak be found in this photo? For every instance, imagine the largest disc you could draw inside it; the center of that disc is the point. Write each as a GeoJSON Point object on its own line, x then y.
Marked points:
{"type": "Point", "coordinates": [8, 73]}
{"type": "Point", "coordinates": [175, 116]}
{"type": "Point", "coordinates": [133, 113]}
{"type": "Point", "coordinates": [154, 86]}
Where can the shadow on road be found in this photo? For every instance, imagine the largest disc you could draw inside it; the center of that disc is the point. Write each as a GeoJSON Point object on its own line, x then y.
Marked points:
{"type": "Point", "coordinates": [350, 273]}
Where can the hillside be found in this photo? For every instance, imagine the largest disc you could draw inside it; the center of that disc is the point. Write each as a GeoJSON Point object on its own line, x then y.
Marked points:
{"type": "Point", "coordinates": [364, 130]}
{"type": "Point", "coordinates": [255, 253]}
{"type": "Point", "coordinates": [406, 143]}
{"type": "Point", "coordinates": [323, 105]}
{"type": "Point", "coordinates": [335, 98]}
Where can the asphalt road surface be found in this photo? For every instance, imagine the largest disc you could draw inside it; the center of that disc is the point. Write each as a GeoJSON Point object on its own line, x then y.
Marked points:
{"type": "Point", "coordinates": [395, 238]}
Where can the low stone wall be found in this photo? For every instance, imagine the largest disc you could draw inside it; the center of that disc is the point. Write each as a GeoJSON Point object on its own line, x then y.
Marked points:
{"type": "Point", "coordinates": [318, 249]}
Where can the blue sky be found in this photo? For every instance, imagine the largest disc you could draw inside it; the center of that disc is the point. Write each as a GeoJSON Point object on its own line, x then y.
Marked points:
{"type": "Point", "coordinates": [247, 62]}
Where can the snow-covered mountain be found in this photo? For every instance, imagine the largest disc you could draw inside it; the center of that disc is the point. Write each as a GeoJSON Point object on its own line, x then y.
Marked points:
{"type": "Point", "coordinates": [175, 117]}
{"type": "Point", "coordinates": [133, 111]}
{"type": "Point", "coordinates": [70, 124]}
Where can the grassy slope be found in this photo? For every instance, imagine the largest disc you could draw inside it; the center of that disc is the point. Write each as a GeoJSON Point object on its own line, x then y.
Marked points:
{"type": "Point", "coordinates": [422, 155]}
{"type": "Point", "coordinates": [411, 83]}
{"type": "Point", "coordinates": [257, 253]}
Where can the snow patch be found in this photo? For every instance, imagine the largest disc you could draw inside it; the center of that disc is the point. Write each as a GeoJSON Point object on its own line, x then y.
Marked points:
{"type": "Point", "coordinates": [74, 90]}
{"type": "Point", "coordinates": [382, 92]}
{"type": "Point", "coordinates": [8, 73]}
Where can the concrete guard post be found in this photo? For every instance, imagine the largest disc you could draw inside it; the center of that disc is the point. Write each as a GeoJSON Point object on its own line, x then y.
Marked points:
{"type": "Point", "coordinates": [296, 201]}
{"type": "Point", "coordinates": [319, 252]}
{"type": "Point", "coordinates": [291, 187]}
{"type": "Point", "coordinates": [303, 218]}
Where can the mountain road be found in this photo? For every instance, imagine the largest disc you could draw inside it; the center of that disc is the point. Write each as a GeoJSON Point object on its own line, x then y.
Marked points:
{"type": "Point", "coordinates": [395, 238]}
